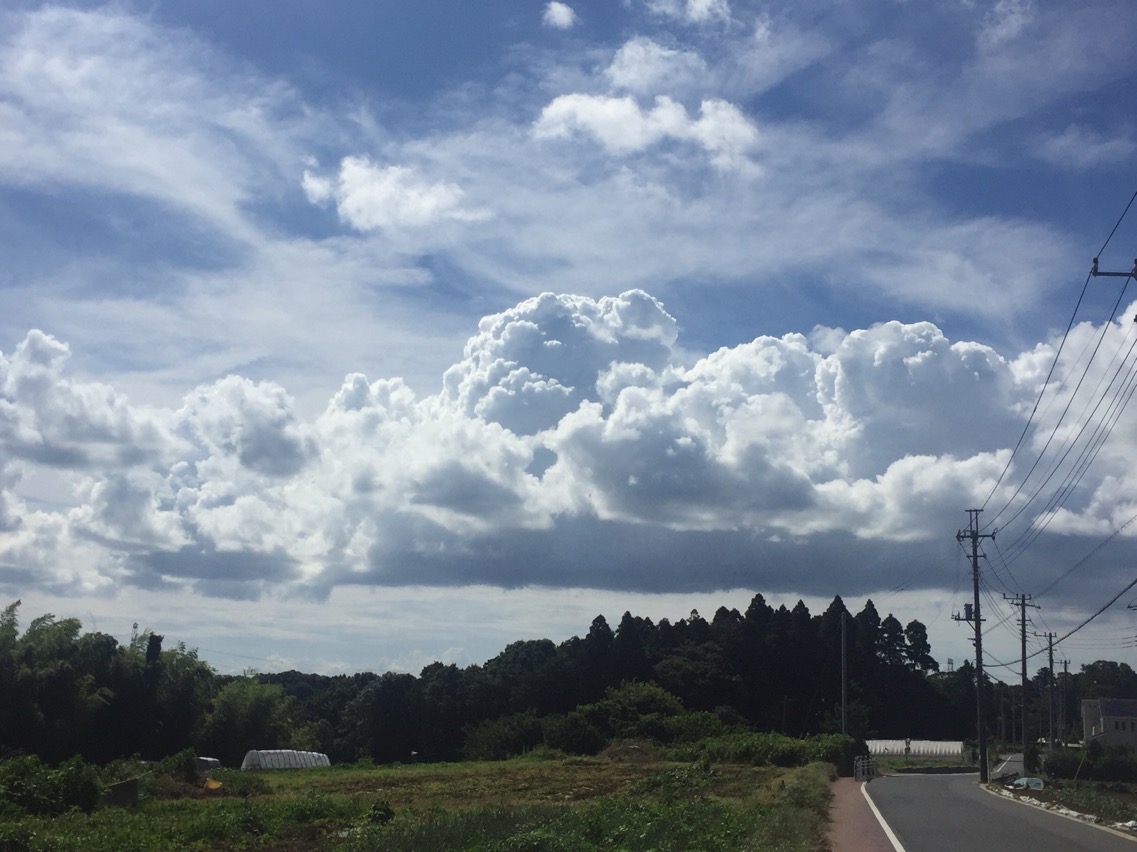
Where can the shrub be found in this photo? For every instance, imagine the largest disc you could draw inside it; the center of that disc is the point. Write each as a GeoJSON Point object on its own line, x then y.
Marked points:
{"type": "Point", "coordinates": [499, 739]}
{"type": "Point", "coordinates": [573, 734]}
{"type": "Point", "coordinates": [182, 765]}
{"type": "Point", "coordinates": [695, 726]}
{"type": "Point", "coordinates": [35, 788]}
{"type": "Point", "coordinates": [235, 783]}
{"type": "Point", "coordinates": [770, 749]}
{"type": "Point", "coordinates": [1108, 763]}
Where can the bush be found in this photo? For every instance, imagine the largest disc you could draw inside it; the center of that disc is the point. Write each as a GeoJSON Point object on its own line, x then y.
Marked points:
{"type": "Point", "coordinates": [500, 739]}
{"type": "Point", "coordinates": [573, 734]}
{"type": "Point", "coordinates": [182, 765]}
{"type": "Point", "coordinates": [770, 749]}
{"type": "Point", "coordinates": [1108, 763]}
{"type": "Point", "coordinates": [695, 726]}
{"type": "Point", "coordinates": [1030, 758]}
{"type": "Point", "coordinates": [235, 783]}
{"type": "Point", "coordinates": [35, 788]}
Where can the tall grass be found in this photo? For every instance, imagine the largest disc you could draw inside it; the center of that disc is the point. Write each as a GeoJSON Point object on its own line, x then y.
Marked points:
{"type": "Point", "coordinates": [568, 804]}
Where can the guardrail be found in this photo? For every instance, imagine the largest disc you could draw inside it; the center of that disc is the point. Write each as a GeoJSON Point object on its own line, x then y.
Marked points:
{"type": "Point", "coordinates": [864, 768]}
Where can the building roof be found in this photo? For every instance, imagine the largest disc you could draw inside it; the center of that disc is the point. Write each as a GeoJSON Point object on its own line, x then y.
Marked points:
{"type": "Point", "coordinates": [1114, 707]}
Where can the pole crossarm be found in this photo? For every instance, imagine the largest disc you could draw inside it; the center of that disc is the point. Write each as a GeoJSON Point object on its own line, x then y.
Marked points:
{"type": "Point", "coordinates": [1097, 273]}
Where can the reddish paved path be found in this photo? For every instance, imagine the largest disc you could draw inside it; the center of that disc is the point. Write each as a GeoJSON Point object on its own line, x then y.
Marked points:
{"type": "Point", "coordinates": [852, 825]}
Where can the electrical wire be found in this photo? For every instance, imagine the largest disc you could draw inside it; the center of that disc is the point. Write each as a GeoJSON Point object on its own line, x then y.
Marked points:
{"type": "Point", "coordinates": [1057, 426]}
{"type": "Point", "coordinates": [1112, 601]}
{"type": "Point", "coordinates": [1121, 395]}
{"type": "Point", "coordinates": [1050, 375]}
{"type": "Point", "coordinates": [1100, 546]}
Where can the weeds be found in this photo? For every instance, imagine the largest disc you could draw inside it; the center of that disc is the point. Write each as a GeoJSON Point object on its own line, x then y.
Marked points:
{"type": "Point", "coordinates": [548, 805]}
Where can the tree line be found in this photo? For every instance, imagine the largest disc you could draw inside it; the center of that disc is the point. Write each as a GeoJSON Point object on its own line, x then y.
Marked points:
{"type": "Point", "coordinates": [64, 692]}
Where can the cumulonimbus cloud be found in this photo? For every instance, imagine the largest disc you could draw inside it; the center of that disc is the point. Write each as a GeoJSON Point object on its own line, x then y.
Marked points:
{"type": "Point", "coordinates": [569, 421]}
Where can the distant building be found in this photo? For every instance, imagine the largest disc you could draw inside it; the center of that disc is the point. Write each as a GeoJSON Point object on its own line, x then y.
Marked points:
{"type": "Point", "coordinates": [1113, 721]}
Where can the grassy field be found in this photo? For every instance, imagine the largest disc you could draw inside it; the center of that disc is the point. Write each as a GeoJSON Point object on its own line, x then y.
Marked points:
{"type": "Point", "coordinates": [625, 800]}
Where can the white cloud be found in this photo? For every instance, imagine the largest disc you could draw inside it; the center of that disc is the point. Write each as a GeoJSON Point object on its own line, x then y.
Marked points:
{"type": "Point", "coordinates": [623, 127]}
{"type": "Point", "coordinates": [559, 16]}
{"type": "Point", "coordinates": [101, 99]}
{"type": "Point", "coordinates": [566, 417]}
{"type": "Point", "coordinates": [692, 11]}
{"type": "Point", "coordinates": [576, 441]}
{"type": "Point", "coordinates": [646, 67]}
{"type": "Point", "coordinates": [1085, 148]}
{"type": "Point", "coordinates": [529, 366]}
{"type": "Point", "coordinates": [50, 420]}
{"type": "Point", "coordinates": [1005, 21]}
{"type": "Point", "coordinates": [377, 198]}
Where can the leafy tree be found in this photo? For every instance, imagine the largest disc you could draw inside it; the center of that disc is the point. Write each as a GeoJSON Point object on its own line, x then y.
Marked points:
{"type": "Point", "coordinates": [246, 715]}
{"type": "Point", "coordinates": [524, 677]}
{"type": "Point", "coordinates": [1108, 679]}
{"type": "Point", "coordinates": [890, 646]}
{"type": "Point", "coordinates": [919, 650]}
{"type": "Point", "coordinates": [386, 720]}
{"type": "Point", "coordinates": [630, 660]}
{"type": "Point", "coordinates": [56, 700]}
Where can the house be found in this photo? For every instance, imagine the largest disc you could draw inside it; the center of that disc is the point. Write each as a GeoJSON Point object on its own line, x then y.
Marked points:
{"type": "Point", "coordinates": [1113, 721]}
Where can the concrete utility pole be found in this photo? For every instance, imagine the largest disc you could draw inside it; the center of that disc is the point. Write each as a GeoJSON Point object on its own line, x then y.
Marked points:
{"type": "Point", "coordinates": [1063, 734]}
{"type": "Point", "coordinates": [1022, 602]}
{"type": "Point", "coordinates": [1050, 644]}
{"type": "Point", "coordinates": [1050, 680]}
{"type": "Point", "coordinates": [972, 533]}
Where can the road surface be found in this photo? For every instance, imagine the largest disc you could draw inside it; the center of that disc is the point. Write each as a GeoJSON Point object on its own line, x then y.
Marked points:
{"type": "Point", "coordinates": [951, 813]}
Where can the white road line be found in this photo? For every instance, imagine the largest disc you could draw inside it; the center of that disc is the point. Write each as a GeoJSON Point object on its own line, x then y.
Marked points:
{"type": "Point", "coordinates": [888, 831]}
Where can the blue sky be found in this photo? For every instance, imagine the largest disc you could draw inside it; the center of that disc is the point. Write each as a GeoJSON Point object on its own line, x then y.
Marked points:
{"type": "Point", "coordinates": [360, 336]}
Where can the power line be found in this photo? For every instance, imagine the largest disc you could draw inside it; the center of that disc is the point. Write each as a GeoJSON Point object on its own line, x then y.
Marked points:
{"type": "Point", "coordinates": [1050, 373]}
{"type": "Point", "coordinates": [1054, 432]}
{"type": "Point", "coordinates": [1112, 601]}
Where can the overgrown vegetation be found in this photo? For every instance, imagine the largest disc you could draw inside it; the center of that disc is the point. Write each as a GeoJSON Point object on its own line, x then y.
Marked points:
{"type": "Point", "coordinates": [566, 803]}
{"type": "Point", "coordinates": [675, 731]}
{"type": "Point", "coordinates": [1097, 762]}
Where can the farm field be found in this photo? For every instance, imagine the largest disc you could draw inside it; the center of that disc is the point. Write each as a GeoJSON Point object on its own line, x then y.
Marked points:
{"type": "Point", "coordinates": [625, 799]}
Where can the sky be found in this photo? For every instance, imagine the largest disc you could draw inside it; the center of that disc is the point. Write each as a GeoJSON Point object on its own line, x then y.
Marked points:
{"type": "Point", "coordinates": [351, 337]}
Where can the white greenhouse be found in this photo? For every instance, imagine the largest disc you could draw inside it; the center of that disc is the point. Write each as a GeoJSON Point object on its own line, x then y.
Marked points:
{"type": "Point", "coordinates": [922, 749]}
{"type": "Point", "coordinates": [283, 758]}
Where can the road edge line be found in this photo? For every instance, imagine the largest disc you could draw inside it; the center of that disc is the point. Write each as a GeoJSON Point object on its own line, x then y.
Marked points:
{"type": "Point", "coordinates": [880, 819]}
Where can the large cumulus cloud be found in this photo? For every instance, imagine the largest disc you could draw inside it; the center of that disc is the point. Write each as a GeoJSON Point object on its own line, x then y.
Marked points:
{"type": "Point", "coordinates": [575, 443]}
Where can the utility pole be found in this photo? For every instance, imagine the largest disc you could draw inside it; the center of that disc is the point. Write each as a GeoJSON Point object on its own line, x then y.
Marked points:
{"type": "Point", "coordinates": [1050, 644]}
{"type": "Point", "coordinates": [1050, 680]}
{"type": "Point", "coordinates": [1062, 733]}
{"type": "Point", "coordinates": [972, 533]}
{"type": "Point", "coordinates": [1022, 602]}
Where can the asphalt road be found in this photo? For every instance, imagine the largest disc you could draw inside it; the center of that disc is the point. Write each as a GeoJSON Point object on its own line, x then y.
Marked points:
{"type": "Point", "coordinates": [950, 813]}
